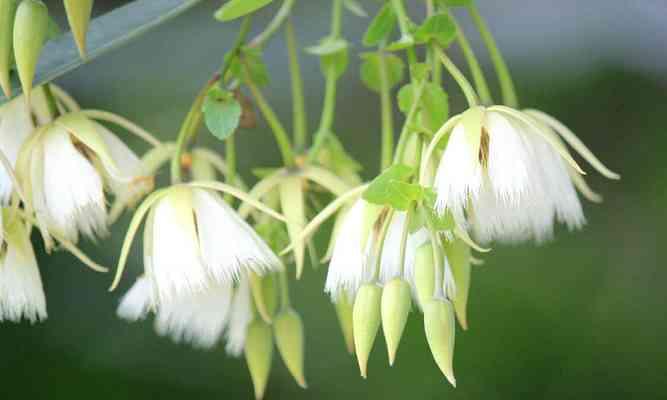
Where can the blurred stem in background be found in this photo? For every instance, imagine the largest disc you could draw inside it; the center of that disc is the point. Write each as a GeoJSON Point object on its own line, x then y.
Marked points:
{"type": "Point", "coordinates": [300, 124]}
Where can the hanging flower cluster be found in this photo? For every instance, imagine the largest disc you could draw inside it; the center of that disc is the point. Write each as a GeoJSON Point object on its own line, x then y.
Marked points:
{"type": "Point", "coordinates": [215, 251]}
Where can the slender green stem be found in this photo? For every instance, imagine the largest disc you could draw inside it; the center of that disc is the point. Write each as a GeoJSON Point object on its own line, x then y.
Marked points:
{"type": "Point", "coordinates": [436, 67]}
{"type": "Point", "coordinates": [284, 290]}
{"type": "Point", "coordinates": [328, 111]}
{"type": "Point", "coordinates": [274, 25]}
{"type": "Point", "coordinates": [460, 79]}
{"type": "Point", "coordinates": [298, 100]}
{"type": "Point", "coordinates": [274, 123]}
{"type": "Point", "coordinates": [473, 63]}
{"type": "Point", "coordinates": [238, 44]}
{"type": "Point", "coordinates": [337, 19]}
{"type": "Point", "coordinates": [402, 16]}
{"type": "Point", "coordinates": [506, 83]}
{"type": "Point", "coordinates": [387, 117]}
{"type": "Point", "coordinates": [403, 139]}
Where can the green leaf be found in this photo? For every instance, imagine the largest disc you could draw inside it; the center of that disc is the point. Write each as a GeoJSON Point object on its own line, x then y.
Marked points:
{"type": "Point", "coordinates": [238, 8]}
{"type": "Point", "coordinates": [392, 188]}
{"type": "Point", "coordinates": [339, 61]}
{"type": "Point", "coordinates": [222, 112]}
{"type": "Point", "coordinates": [381, 26]}
{"type": "Point", "coordinates": [371, 70]}
{"type": "Point", "coordinates": [327, 46]}
{"type": "Point", "coordinates": [443, 222]}
{"type": "Point", "coordinates": [434, 104]}
{"type": "Point", "coordinates": [355, 8]}
{"type": "Point", "coordinates": [439, 28]}
{"type": "Point", "coordinates": [248, 59]}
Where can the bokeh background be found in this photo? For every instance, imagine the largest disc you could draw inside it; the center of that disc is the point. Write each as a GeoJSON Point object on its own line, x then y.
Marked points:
{"type": "Point", "coordinates": [581, 317]}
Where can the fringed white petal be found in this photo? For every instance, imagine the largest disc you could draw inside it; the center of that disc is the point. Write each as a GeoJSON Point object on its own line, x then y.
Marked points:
{"type": "Point", "coordinates": [137, 302]}
{"type": "Point", "coordinates": [72, 188]}
{"type": "Point", "coordinates": [350, 263]}
{"type": "Point", "coordinates": [198, 319]}
{"type": "Point", "coordinates": [15, 127]}
{"type": "Point", "coordinates": [239, 318]}
{"type": "Point", "coordinates": [21, 290]}
{"type": "Point", "coordinates": [229, 246]}
{"type": "Point", "coordinates": [177, 268]}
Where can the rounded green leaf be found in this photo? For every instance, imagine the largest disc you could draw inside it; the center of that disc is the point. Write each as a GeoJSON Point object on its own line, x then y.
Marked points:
{"type": "Point", "coordinates": [222, 112]}
{"type": "Point", "coordinates": [381, 26]}
{"type": "Point", "coordinates": [238, 8]}
{"type": "Point", "coordinates": [371, 70]}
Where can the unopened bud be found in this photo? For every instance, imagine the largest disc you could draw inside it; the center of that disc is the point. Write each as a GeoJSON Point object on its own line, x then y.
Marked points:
{"type": "Point", "coordinates": [396, 303]}
{"type": "Point", "coordinates": [265, 295]}
{"type": "Point", "coordinates": [78, 15]}
{"type": "Point", "coordinates": [258, 355]}
{"type": "Point", "coordinates": [7, 12]}
{"type": "Point", "coordinates": [440, 333]}
{"type": "Point", "coordinates": [424, 274]}
{"type": "Point", "coordinates": [288, 330]}
{"type": "Point", "coordinates": [366, 322]}
{"type": "Point", "coordinates": [202, 170]}
{"type": "Point", "coordinates": [344, 313]}
{"type": "Point", "coordinates": [31, 25]}
{"type": "Point", "coordinates": [458, 254]}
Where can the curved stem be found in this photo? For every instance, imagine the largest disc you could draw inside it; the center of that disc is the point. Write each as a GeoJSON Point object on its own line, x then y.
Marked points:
{"type": "Point", "coordinates": [123, 123]}
{"type": "Point", "coordinates": [402, 16]}
{"type": "Point", "coordinates": [387, 117]}
{"type": "Point", "coordinates": [481, 83]}
{"type": "Point", "coordinates": [328, 110]}
{"type": "Point", "coordinates": [506, 83]}
{"type": "Point", "coordinates": [274, 25]}
{"type": "Point", "coordinates": [460, 79]}
{"type": "Point", "coordinates": [65, 98]}
{"type": "Point", "coordinates": [298, 101]}
{"type": "Point", "coordinates": [403, 139]}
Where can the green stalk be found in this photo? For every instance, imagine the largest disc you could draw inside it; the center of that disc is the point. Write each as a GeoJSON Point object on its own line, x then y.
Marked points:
{"type": "Point", "coordinates": [473, 63]}
{"type": "Point", "coordinates": [299, 103]}
{"type": "Point", "coordinates": [506, 83]}
{"type": "Point", "coordinates": [460, 79]}
{"type": "Point", "coordinates": [387, 117]}
{"type": "Point", "coordinates": [275, 24]}
{"type": "Point", "coordinates": [403, 138]}
{"type": "Point", "coordinates": [402, 16]}
{"type": "Point", "coordinates": [337, 19]}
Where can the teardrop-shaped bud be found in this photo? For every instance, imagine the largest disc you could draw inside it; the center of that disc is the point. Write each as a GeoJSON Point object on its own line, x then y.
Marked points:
{"type": "Point", "coordinates": [396, 303]}
{"type": "Point", "coordinates": [288, 330]}
{"type": "Point", "coordinates": [293, 207]}
{"type": "Point", "coordinates": [7, 12]}
{"type": "Point", "coordinates": [78, 15]}
{"type": "Point", "coordinates": [265, 295]}
{"type": "Point", "coordinates": [258, 354]}
{"type": "Point", "coordinates": [366, 322]}
{"type": "Point", "coordinates": [344, 313]}
{"type": "Point", "coordinates": [31, 25]}
{"type": "Point", "coordinates": [424, 274]}
{"type": "Point", "coordinates": [458, 254]}
{"type": "Point", "coordinates": [440, 333]}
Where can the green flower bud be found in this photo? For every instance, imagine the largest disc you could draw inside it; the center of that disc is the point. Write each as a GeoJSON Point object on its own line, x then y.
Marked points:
{"type": "Point", "coordinates": [288, 330]}
{"type": "Point", "coordinates": [366, 322]}
{"type": "Point", "coordinates": [344, 312]}
{"type": "Point", "coordinates": [31, 26]}
{"type": "Point", "coordinates": [458, 254]}
{"type": "Point", "coordinates": [78, 15]}
{"type": "Point", "coordinates": [424, 273]}
{"type": "Point", "coordinates": [440, 332]}
{"type": "Point", "coordinates": [7, 12]}
{"type": "Point", "coordinates": [265, 295]}
{"type": "Point", "coordinates": [396, 303]}
{"type": "Point", "coordinates": [258, 355]}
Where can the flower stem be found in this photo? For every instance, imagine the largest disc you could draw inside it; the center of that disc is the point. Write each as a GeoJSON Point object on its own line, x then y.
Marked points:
{"type": "Point", "coordinates": [403, 138]}
{"type": "Point", "coordinates": [337, 19]}
{"type": "Point", "coordinates": [387, 117]}
{"type": "Point", "coordinates": [460, 79]}
{"type": "Point", "coordinates": [298, 101]}
{"type": "Point", "coordinates": [506, 83]}
{"type": "Point", "coordinates": [473, 63]}
{"type": "Point", "coordinates": [275, 24]}
{"type": "Point", "coordinates": [402, 16]}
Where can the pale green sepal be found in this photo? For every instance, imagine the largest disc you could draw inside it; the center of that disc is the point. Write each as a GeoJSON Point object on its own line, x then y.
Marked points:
{"type": "Point", "coordinates": [265, 295]}
{"type": "Point", "coordinates": [396, 304]}
{"type": "Point", "coordinates": [440, 333]}
{"type": "Point", "coordinates": [371, 214]}
{"type": "Point", "coordinates": [293, 207]}
{"type": "Point", "coordinates": [31, 26]}
{"type": "Point", "coordinates": [327, 180]}
{"type": "Point", "coordinates": [433, 145]}
{"type": "Point", "coordinates": [258, 355]}
{"type": "Point", "coordinates": [288, 330]}
{"type": "Point", "coordinates": [424, 274]}
{"type": "Point", "coordinates": [7, 12]}
{"type": "Point", "coordinates": [458, 255]}
{"type": "Point", "coordinates": [202, 170]}
{"type": "Point", "coordinates": [463, 235]}
{"type": "Point", "coordinates": [344, 311]}
{"type": "Point", "coordinates": [366, 322]}
{"type": "Point", "coordinates": [473, 124]}
{"type": "Point", "coordinates": [261, 189]}
{"type": "Point", "coordinates": [78, 15]}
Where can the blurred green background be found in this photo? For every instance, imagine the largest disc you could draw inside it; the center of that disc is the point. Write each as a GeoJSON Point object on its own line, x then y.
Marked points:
{"type": "Point", "coordinates": [580, 317]}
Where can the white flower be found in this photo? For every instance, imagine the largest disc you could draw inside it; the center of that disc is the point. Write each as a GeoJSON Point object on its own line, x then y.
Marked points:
{"type": "Point", "coordinates": [194, 238]}
{"type": "Point", "coordinates": [21, 291]}
{"type": "Point", "coordinates": [505, 176]}
{"type": "Point", "coordinates": [67, 165]}
{"type": "Point", "coordinates": [199, 319]}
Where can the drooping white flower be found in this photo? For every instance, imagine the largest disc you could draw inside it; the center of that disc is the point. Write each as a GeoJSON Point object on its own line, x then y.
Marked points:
{"type": "Point", "coordinates": [67, 165]}
{"type": "Point", "coordinates": [21, 290]}
{"type": "Point", "coordinates": [239, 318]}
{"type": "Point", "coordinates": [196, 238]}
{"type": "Point", "coordinates": [506, 176]}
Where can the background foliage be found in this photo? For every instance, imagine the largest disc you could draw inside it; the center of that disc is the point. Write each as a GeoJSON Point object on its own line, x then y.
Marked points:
{"type": "Point", "coordinates": [580, 317]}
